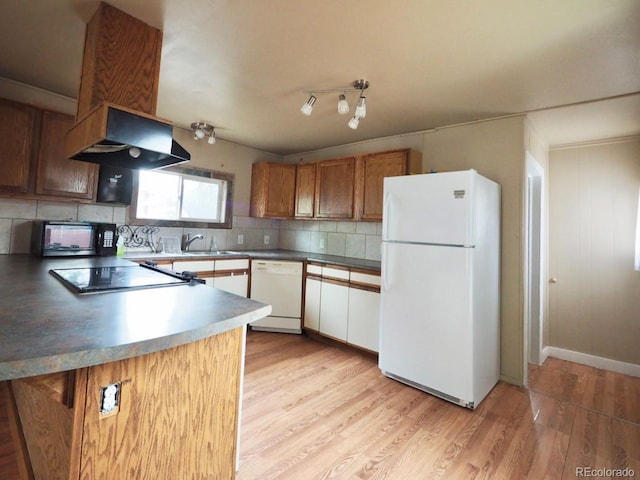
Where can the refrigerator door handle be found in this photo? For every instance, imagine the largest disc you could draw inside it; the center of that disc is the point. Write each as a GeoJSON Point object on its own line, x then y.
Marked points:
{"type": "Point", "coordinates": [385, 267]}
{"type": "Point", "coordinates": [385, 209]}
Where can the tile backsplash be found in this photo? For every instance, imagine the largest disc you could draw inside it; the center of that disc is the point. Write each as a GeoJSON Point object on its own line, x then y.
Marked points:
{"type": "Point", "coordinates": [16, 216]}
{"type": "Point", "coordinates": [351, 239]}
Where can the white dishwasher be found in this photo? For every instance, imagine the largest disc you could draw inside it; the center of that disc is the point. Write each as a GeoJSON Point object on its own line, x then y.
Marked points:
{"type": "Point", "coordinates": [278, 283]}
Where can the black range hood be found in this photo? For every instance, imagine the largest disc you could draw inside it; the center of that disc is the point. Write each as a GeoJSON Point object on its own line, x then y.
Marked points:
{"type": "Point", "coordinates": [115, 136]}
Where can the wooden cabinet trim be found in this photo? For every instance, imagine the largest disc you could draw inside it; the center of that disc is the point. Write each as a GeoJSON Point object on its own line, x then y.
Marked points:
{"type": "Point", "coordinates": [229, 273]}
{"type": "Point", "coordinates": [335, 281]}
{"type": "Point", "coordinates": [365, 286]}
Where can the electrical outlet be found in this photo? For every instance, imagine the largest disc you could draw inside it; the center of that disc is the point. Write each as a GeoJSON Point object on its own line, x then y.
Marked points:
{"type": "Point", "coordinates": [109, 398]}
{"type": "Point", "coordinates": [266, 239]}
{"type": "Point", "coordinates": [240, 239]}
{"type": "Point", "coordinates": [322, 244]}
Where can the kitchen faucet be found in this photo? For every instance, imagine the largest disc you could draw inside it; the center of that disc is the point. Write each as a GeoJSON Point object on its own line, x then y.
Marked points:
{"type": "Point", "coordinates": [187, 240]}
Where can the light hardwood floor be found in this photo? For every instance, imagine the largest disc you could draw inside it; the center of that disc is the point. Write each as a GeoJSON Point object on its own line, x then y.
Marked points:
{"type": "Point", "coordinates": [313, 411]}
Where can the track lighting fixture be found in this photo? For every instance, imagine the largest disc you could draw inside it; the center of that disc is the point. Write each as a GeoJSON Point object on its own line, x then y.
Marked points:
{"type": "Point", "coordinates": [203, 129]}
{"type": "Point", "coordinates": [343, 105]}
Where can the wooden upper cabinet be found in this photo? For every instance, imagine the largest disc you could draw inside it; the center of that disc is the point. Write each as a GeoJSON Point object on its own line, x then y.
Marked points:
{"type": "Point", "coordinates": [18, 123]}
{"type": "Point", "coordinates": [57, 175]}
{"type": "Point", "coordinates": [272, 190]}
{"type": "Point", "coordinates": [371, 172]}
{"type": "Point", "coordinates": [335, 183]}
{"type": "Point", "coordinates": [305, 190]}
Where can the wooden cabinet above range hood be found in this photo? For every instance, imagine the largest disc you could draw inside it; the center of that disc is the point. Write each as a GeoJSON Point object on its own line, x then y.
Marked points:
{"type": "Point", "coordinates": [116, 123]}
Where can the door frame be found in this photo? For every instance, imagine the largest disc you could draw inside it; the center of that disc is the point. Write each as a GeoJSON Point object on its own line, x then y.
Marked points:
{"type": "Point", "coordinates": [533, 264]}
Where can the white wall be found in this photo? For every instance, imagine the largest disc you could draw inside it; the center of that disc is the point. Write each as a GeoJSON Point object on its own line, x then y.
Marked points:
{"type": "Point", "coordinates": [593, 198]}
{"type": "Point", "coordinates": [496, 150]}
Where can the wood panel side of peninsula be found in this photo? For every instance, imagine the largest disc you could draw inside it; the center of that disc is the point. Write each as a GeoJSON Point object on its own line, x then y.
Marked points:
{"type": "Point", "coordinates": [177, 415]}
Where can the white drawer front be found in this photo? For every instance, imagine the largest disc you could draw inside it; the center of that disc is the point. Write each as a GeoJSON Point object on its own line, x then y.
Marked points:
{"type": "Point", "coordinates": [314, 269]}
{"type": "Point", "coordinates": [232, 264]}
{"type": "Point", "coordinates": [193, 266]}
{"type": "Point", "coordinates": [335, 273]}
{"type": "Point", "coordinates": [365, 278]}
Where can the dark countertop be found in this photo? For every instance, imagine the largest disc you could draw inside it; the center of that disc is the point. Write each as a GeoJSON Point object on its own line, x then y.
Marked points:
{"type": "Point", "coordinates": [46, 328]}
{"type": "Point", "coordinates": [265, 254]}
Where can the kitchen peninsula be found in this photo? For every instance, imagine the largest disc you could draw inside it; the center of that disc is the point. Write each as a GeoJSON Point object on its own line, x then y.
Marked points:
{"type": "Point", "coordinates": [175, 355]}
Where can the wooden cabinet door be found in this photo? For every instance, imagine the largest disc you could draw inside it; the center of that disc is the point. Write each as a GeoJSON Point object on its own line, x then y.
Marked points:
{"type": "Point", "coordinates": [272, 190]}
{"type": "Point", "coordinates": [17, 126]}
{"type": "Point", "coordinates": [57, 175]}
{"type": "Point", "coordinates": [305, 189]}
{"type": "Point", "coordinates": [335, 182]}
{"type": "Point", "coordinates": [375, 168]}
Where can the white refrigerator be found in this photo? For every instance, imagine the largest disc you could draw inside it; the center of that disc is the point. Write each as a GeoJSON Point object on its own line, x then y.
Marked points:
{"type": "Point", "coordinates": [440, 303]}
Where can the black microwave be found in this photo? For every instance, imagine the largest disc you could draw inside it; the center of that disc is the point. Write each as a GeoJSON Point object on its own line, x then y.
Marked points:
{"type": "Point", "coordinates": [50, 238]}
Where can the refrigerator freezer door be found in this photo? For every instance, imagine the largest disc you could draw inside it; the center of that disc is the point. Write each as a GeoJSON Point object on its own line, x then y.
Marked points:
{"type": "Point", "coordinates": [432, 208]}
{"type": "Point", "coordinates": [426, 327]}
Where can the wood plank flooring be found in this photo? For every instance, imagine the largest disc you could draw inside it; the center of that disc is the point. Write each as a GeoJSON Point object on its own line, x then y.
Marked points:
{"type": "Point", "coordinates": [313, 411]}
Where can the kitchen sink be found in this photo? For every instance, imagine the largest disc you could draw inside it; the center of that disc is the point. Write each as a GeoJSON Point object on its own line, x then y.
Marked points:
{"type": "Point", "coordinates": [207, 253]}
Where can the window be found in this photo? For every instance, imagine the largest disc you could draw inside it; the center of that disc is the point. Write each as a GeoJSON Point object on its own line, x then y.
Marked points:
{"type": "Point", "coordinates": [185, 197]}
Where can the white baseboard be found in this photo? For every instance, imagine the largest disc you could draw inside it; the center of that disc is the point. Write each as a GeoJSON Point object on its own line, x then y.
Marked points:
{"type": "Point", "coordinates": [593, 361]}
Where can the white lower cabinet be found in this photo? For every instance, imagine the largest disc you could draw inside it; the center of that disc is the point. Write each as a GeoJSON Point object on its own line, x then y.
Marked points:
{"type": "Point", "coordinates": [233, 283]}
{"type": "Point", "coordinates": [334, 310]}
{"type": "Point", "coordinates": [312, 304]}
{"type": "Point", "coordinates": [343, 305]}
{"type": "Point", "coordinates": [230, 275]}
{"type": "Point", "coordinates": [363, 328]}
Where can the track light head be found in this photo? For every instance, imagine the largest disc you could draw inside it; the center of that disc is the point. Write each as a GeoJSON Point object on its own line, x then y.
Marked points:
{"type": "Point", "coordinates": [361, 107]}
{"type": "Point", "coordinates": [343, 105]}
{"type": "Point", "coordinates": [354, 122]}
{"type": "Point", "coordinates": [307, 108]}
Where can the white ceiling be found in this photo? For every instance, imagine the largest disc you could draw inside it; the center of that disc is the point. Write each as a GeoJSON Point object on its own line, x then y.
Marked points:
{"type": "Point", "coordinates": [243, 65]}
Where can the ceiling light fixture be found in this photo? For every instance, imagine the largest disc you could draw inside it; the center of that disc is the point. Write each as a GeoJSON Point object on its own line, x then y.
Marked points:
{"type": "Point", "coordinates": [204, 129]}
{"type": "Point", "coordinates": [343, 105]}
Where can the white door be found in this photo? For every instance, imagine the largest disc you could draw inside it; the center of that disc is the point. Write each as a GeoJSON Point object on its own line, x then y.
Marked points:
{"type": "Point", "coordinates": [426, 319]}
{"type": "Point", "coordinates": [431, 208]}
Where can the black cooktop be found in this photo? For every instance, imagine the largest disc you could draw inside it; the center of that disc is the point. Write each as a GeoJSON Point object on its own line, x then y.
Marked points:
{"type": "Point", "coordinates": [109, 279]}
